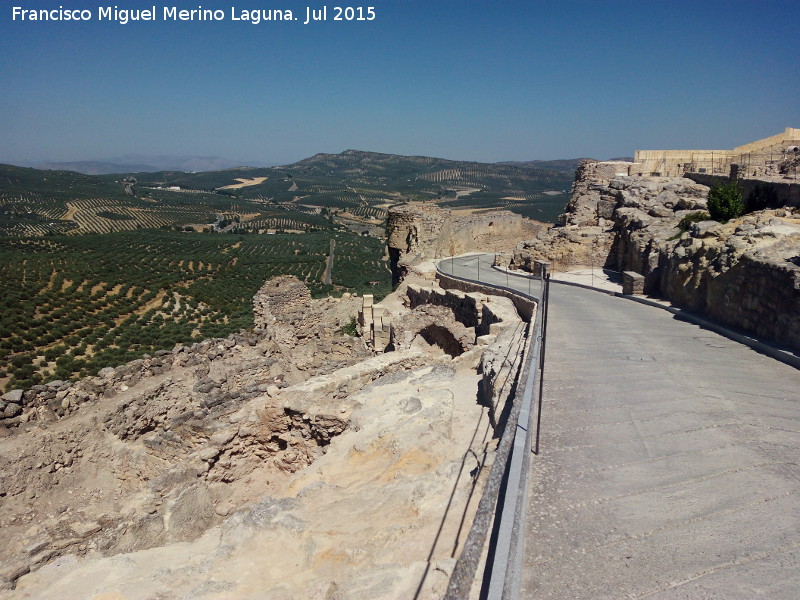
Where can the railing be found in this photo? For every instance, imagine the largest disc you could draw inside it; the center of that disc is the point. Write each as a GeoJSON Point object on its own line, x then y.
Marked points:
{"type": "Point", "coordinates": [509, 474]}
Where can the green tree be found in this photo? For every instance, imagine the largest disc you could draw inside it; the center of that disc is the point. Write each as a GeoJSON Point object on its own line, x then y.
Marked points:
{"type": "Point", "coordinates": [725, 202]}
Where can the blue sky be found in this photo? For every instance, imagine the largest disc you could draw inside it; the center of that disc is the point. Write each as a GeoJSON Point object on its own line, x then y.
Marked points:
{"type": "Point", "coordinates": [485, 81]}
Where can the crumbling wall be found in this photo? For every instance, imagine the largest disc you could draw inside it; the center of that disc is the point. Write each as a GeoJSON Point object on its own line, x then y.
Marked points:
{"type": "Point", "coordinates": [437, 326]}
{"type": "Point", "coordinates": [280, 299]}
{"type": "Point", "coordinates": [501, 330]}
{"type": "Point", "coordinates": [466, 307]}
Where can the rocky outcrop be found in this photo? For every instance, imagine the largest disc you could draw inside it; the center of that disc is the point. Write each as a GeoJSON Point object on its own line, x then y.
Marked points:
{"type": "Point", "coordinates": [416, 232]}
{"type": "Point", "coordinates": [745, 273]}
{"type": "Point", "coordinates": [183, 472]}
{"type": "Point", "coordinates": [591, 203]}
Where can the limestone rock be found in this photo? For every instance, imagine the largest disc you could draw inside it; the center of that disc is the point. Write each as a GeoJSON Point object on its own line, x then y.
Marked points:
{"type": "Point", "coordinates": [745, 273]}
{"type": "Point", "coordinates": [13, 397]}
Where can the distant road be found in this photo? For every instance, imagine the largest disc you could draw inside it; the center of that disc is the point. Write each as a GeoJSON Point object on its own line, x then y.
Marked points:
{"type": "Point", "coordinates": [478, 267]}
{"type": "Point", "coordinates": [328, 276]}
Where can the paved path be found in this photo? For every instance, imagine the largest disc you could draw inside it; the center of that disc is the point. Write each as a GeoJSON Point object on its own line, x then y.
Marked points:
{"type": "Point", "coordinates": [669, 463]}
{"type": "Point", "coordinates": [479, 267]}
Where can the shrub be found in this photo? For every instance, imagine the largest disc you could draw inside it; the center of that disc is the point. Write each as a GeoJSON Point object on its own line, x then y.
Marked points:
{"type": "Point", "coordinates": [695, 217]}
{"type": "Point", "coordinates": [725, 202]}
{"type": "Point", "coordinates": [350, 328]}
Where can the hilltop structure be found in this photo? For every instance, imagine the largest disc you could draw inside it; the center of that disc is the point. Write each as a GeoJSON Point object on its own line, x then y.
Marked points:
{"type": "Point", "coordinates": [762, 157]}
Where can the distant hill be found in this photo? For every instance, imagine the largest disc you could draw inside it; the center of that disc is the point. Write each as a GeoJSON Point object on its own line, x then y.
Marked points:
{"type": "Point", "coordinates": [143, 164]}
{"type": "Point", "coordinates": [89, 167]}
{"type": "Point", "coordinates": [565, 165]}
{"type": "Point", "coordinates": [535, 192]}
{"type": "Point", "coordinates": [353, 188]}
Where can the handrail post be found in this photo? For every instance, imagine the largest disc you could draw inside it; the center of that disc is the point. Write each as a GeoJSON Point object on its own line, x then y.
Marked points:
{"type": "Point", "coordinates": [546, 307]}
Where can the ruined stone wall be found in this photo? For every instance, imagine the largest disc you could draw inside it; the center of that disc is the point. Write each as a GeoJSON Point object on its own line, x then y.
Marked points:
{"type": "Point", "coordinates": [787, 193]}
{"type": "Point", "coordinates": [526, 308]}
{"type": "Point", "coordinates": [499, 327]}
{"type": "Point", "coordinates": [746, 275]}
{"type": "Point", "coordinates": [416, 232]}
{"type": "Point", "coordinates": [279, 298]}
{"type": "Point", "coordinates": [466, 307]}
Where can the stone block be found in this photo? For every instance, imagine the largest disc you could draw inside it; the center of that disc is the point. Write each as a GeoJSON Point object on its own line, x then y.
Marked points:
{"type": "Point", "coordinates": [632, 283]}
{"type": "Point", "coordinates": [541, 268]}
{"type": "Point", "coordinates": [13, 397]}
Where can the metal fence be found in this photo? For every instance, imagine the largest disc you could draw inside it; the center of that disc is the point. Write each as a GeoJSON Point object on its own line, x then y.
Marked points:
{"type": "Point", "coordinates": [509, 474]}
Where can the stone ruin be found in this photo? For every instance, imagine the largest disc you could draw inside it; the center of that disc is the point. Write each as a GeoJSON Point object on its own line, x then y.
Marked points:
{"type": "Point", "coordinates": [173, 473]}
{"type": "Point", "coordinates": [374, 324]}
{"type": "Point", "coordinates": [283, 298]}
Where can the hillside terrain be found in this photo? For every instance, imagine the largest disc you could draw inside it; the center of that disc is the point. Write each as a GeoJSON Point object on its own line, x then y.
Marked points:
{"type": "Point", "coordinates": [72, 305]}
{"type": "Point", "coordinates": [290, 461]}
{"type": "Point", "coordinates": [355, 186]}
{"type": "Point", "coordinates": [75, 302]}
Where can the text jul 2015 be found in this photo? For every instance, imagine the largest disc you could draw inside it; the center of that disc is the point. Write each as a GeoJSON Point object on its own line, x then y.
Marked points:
{"type": "Point", "coordinates": [124, 16]}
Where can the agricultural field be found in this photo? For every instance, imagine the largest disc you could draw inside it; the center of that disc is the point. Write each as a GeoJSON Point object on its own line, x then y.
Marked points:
{"type": "Point", "coordinates": [70, 305]}
{"type": "Point", "coordinates": [37, 203]}
{"type": "Point", "coordinates": [292, 197]}
{"type": "Point", "coordinates": [96, 270]}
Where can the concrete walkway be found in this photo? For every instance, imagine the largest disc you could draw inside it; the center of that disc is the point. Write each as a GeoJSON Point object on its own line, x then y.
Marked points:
{"type": "Point", "coordinates": [669, 461]}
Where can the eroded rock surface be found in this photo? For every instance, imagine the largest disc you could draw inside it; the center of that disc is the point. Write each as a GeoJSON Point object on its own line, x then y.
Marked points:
{"type": "Point", "coordinates": [745, 273]}
{"type": "Point", "coordinates": [260, 466]}
{"type": "Point", "coordinates": [417, 232]}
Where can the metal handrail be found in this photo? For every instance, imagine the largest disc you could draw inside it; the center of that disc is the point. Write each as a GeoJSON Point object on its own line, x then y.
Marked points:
{"type": "Point", "coordinates": [509, 473]}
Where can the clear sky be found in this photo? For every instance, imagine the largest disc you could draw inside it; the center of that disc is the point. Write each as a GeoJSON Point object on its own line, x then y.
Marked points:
{"type": "Point", "coordinates": [469, 80]}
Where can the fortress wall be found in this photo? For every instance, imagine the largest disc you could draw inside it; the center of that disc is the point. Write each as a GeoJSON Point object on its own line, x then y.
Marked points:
{"type": "Point", "coordinates": [788, 192]}
{"type": "Point", "coordinates": [790, 136]}
{"type": "Point", "coordinates": [674, 163]}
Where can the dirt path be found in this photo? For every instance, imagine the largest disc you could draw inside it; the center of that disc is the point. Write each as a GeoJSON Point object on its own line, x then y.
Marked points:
{"type": "Point", "coordinates": [243, 183]}
{"type": "Point", "coordinates": [327, 275]}
{"type": "Point", "coordinates": [70, 214]}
